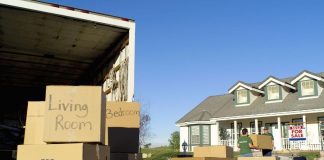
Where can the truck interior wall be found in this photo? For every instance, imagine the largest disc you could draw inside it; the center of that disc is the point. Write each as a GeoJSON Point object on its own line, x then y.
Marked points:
{"type": "Point", "coordinates": [13, 113]}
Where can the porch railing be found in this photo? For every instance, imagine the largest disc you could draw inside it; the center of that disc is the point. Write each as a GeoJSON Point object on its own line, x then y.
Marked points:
{"type": "Point", "coordinates": [286, 145]}
{"type": "Point", "coordinates": [300, 145]}
{"type": "Point", "coordinates": [226, 143]}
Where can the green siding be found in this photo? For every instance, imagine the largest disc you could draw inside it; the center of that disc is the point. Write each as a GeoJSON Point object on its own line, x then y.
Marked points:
{"type": "Point", "coordinates": [266, 92]}
{"type": "Point", "coordinates": [316, 88]}
{"type": "Point", "coordinates": [299, 89]}
{"type": "Point", "coordinates": [248, 96]}
{"type": "Point", "coordinates": [280, 92]}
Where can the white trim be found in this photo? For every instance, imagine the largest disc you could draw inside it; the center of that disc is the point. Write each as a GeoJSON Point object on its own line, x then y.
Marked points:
{"type": "Point", "coordinates": [242, 105]}
{"type": "Point", "coordinates": [269, 114]}
{"type": "Point", "coordinates": [194, 123]}
{"type": "Point", "coordinates": [235, 136]}
{"type": "Point", "coordinates": [244, 86]}
{"type": "Point", "coordinates": [271, 79]}
{"type": "Point", "coordinates": [42, 7]}
{"type": "Point", "coordinates": [276, 114]}
{"type": "Point", "coordinates": [273, 101]}
{"type": "Point", "coordinates": [305, 74]}
{"type": "Point", "coordinates": [279, 145]}
{"type": "Point", "coordinates": [131, 64]}
{"type": "Point", "coordinates": [308, 97]}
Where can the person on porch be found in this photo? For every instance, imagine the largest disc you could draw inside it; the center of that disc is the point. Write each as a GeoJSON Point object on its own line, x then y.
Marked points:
{"type": "Point", "coordinates": [267, 152]}
{"type": "Point", "coordinates": [245, 144]}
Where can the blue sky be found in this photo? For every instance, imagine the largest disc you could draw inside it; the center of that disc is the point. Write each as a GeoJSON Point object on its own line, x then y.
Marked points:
{"type": "Point", "coordinates": [187, 50]}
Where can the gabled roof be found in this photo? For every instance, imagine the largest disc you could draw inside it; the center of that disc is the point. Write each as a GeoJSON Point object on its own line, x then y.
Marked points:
{"type": "Point", "coordinates": [223, 106]}
{"type": "Point", "coordinates": [244, 85]}
{"type": "Point", "coordinates": [309, 74]}
{"type": "Point", "coordinates": [211, 104]}
{"type": "Point", "coordinates": [277, 81]}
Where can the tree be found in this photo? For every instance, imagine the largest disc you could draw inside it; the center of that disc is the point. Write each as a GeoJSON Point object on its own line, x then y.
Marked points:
{"type": "Point", "coordinates": [174, 140]}
{"type": "Point", "coordinates": [144, 133]}
{"type": "Point", "coordinates": [223, 134]}
{"type": "Point", "coordinates": [147, 145]}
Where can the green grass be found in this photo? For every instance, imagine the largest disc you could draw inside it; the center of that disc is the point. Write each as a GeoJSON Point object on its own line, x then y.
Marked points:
{"type": "Point", "coordinates": [309, 155]}
{"type": "Point", "coordinates": [160, 153]}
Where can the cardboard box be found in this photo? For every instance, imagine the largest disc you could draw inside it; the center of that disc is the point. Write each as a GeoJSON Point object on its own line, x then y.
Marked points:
{"type": "Point", "coordinates": [74, 114]}
{"type": "Point", "coordinates": [257, 158]}
{"type": "Point", "coordinates": [122, 126]}
{"type": "Point", "coordinates": [261, 141]}
{"type": "Point", "coordinates": [73, 151]}
{"type": "Point", "coordinates": [213, 151]}
{"type": "Point", "coordinates": [123, 140]}
{"type": "Point", "coordinates": [125, 156]}
{"type": "Point", "coordinates": [34, 129]}
{"type": "Point", "coordinates": [123, 114]}
{"type": "Point", "coordinates": [202, 158]}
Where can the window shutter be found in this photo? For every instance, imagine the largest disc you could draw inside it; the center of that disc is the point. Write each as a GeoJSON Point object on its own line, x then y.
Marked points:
{"type": "Point", "coordinates": [299, 89]}
{"type": "Point", "coordinates": [315, 88]}
{"type": "Point", "coordinates": [266, 92]}
{"type": "Point", "coordinates": [248, 96]}
{"type": "Point", "coordinates": [235, 97]}
{"type": "Point", "coordinates": [280, 92]}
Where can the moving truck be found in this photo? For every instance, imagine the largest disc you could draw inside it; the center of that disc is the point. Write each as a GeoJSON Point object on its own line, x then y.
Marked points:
{"type": "Point", "coordinates": [49, 44]}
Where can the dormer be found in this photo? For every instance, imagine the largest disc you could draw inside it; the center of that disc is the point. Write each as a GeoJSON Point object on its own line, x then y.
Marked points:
{"type": "Point", "coordinates": [275, 90]}
{"type": "Point", "coordinates": [244, 93]}
{"type": "Point", "coordinates": [310, 85]}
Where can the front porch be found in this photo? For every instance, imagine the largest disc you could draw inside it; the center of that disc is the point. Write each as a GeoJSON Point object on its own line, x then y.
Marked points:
{"type": "Point", "coordinates": [228, 131]}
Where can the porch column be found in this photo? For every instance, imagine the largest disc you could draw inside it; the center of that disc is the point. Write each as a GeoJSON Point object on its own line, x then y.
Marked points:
{"type": "Point", "coordinates": [215, 138]}
{"type": "Point", "coordinates": [304, 124]}
{"type": "Point", "coordinates": [235, 136]}
{"type": "Point", "coordinates": [256, 126]}
{"type": "Point", "coordinates": [279, 146]}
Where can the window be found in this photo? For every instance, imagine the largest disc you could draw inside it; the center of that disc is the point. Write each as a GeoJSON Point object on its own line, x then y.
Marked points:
{"type": "Point", "coordinates": [239, 128]}
{"type": "Point", "coordinates": [205, 135]}
{"type": "Point", "coordinates": [297, 121]}
{"type": "Point", "coordinates": [253, 127]}
{"type": "Point", "coordinates": [242, 96]}
{"type": "Point", "coordinates": [273, 92]}
{"type": "Point", "coordinates": [284, 129]}
{"type": "Point", "coordinates": [195, 135]}
{"type": "Point", "coordinates": [200, 135]}
{"type": "Point", "coordinates": [307, 88]}
{"type": "Point", "coordinates": [321, 128]}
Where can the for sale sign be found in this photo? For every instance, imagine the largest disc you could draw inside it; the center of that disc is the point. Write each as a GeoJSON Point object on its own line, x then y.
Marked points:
{"type": "Point", "coordinates": [297, 132]}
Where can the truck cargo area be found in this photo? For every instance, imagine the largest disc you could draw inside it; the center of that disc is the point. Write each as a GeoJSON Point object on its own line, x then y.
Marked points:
{"type": "Point", "coordinates": [39, 48]}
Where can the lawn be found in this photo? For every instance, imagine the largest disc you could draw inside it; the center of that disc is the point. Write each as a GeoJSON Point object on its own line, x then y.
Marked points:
{"type": "Point", "coordinates": [163, 153]}
{"type": "Point", "coordinates": [160, 153]}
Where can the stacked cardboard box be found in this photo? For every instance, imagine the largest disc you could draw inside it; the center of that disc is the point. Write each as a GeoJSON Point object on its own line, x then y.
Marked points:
{"type": "Point", "coordinates": [257, 158]}
{"type": "Point", "coordinates": [214, 151]}
{"type": "Point", "coordinates": [261, 141]}
{"type": "Point", "coordinates": [70, 151]}
{"type": "Point", "coordinates": [217, 152]}
{"type": "Point", "coordinates": [35, 123]}
{"type": "Point", "coordinates": [203, 158]}
{"type": "Point", "coordinates": [71, 117]}
{"type": "Point", "coordinates": [122, 130]}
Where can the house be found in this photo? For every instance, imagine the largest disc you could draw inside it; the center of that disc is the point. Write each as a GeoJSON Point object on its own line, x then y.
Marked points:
{"type": "Point", "coordinates": [292, 108]}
